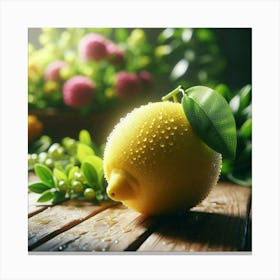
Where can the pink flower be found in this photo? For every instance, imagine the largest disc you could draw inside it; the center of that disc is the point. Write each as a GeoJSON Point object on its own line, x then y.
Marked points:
{"type": "Point", "coordinates": [93, 47]}
{"type": "Point", "coordinates": [116, 54]}
{"type": "Point", "coordinates": [52, 71]}
{"type": "Point", "coordinates": [78, 91]}
{"type": "Point", "coordinates": [146, 81]}
{"type": "Point", "coordinates": [127, 85]}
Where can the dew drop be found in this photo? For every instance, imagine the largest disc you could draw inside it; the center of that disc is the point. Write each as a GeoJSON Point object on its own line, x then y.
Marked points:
{"type": "Point", "coordinates": [171, 120]}
{"type": "Point", "coordinates": [168, 128]}
{"type": "Point", "coordinates": [170, 143]}
{"type": "Point", "coordinates": [158, 126]}
{"type": "Point", "coordinates": [151, 140]}
{"type": "Point", "coordinates": [154, 135]}
{"type": "Point", "coordinates": [175, 127]}
{"type": "Point", "coordinates": [145, 139]}
{"type": "Point", "coordinates": [151, 148]}
{"type": "Point", "coordinates": [162, 145]}
{"type": "Point", "coordinates": [162, 132]}
{"type": "Point", "coordinates": [160, 117]}
{"type": "Point", "coordinates": [166, 136]}
{"type": "Point", "coordinates": [172, 133]}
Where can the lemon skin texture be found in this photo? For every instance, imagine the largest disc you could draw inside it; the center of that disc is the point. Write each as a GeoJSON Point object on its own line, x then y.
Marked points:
{"type": "Point", "coordinates": [154, 162]}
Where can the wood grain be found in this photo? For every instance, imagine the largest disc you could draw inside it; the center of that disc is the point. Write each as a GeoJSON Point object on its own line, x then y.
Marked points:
{"type": "Point", "coordinates": [219, 223]}
{"type": "Point", "coordinates": [216, 224]}
{"type": "Point", "coordinates": [114, 229]}
{"type": "Point", "coordinates": [56, 219]}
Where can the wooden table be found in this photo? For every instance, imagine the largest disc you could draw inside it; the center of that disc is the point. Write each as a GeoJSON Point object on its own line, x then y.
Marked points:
{"type": "Point", "coordinates": [220, 223]}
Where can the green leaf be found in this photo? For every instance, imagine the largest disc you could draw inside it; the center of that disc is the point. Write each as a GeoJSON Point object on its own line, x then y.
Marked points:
{"type": "Point", "coordinates": [45, 174]}
{"type": "Point", "coordinates": [97, 163]}
{"type": "Point", "coordinates": [246, 129]}
{"type": "Point", "coordinates": [72, 172]}
{"type": "Point", "coordinates": [90, 173]}
{"type": "Point", "coordinates": [46, 196]}
{"type": "Point", "coordinates": [121, 34]}
{"type": "Point", "coordinates": [211, 118]}
{"type": "Point", "coordinates": [38, 187]}
{"type": "Point", "coordinates": [245, 97]}
{"type": "Point", "coordinates": [224, 91]}
{"type": "Point", "coordinates": [83, 151]}
{"type": "Point", "coordinates": [59, 175]}
{"type": "Point", "coordinates": [58, 197]}
{"type": "Point", "coordinates": [84, 137]}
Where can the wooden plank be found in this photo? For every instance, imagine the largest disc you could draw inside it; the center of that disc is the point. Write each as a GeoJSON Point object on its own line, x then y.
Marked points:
{"type": "Point", "coordinates": [33, 206]}
{"type": "Point", "coordinates": [216, 224]}
{"type": "Point", "coordinates": [56, 219]}
{"type": "Point", "coordinates": [114, 229]}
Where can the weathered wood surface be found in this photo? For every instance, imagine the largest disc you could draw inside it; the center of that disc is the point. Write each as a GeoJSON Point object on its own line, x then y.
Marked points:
{"type": "Point", "coordinates": [219, 223]}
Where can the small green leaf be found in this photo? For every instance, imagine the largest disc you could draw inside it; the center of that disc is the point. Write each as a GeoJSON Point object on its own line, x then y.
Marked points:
{"type": "Point", "coordinates": [46, 196]}
{"type": "Point", "coordinates": [58, 197]}
{"type": "Point", "coordinates": [72, 171]}
{"type": "Point", "coordinates": [83, 151]}
{"type": "Point", "coordinates": [97, 162]}
{"type": "Point", "coordinates": [245, 96]}
{"type": "Point", "coordinates": [84, 137]}
{"type": "Point", "coordinates": [38, 187]}
{"type": "Point", "coordinates": [45, 174]}
{"type": "Point", "coordinates": [224, 91]}
{"type": "Point", "coordinates": [246, 129]}
{"type": "Point", "coordinates": [121, 34]}
{"type": "Point", "coordinates": [211, 118]}
{"type": "Point", "coordinates": [59, 175]}
{"type": "Point", "coordinates": [90, 173]}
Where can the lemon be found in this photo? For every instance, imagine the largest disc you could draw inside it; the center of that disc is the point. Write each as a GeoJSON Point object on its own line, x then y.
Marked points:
{"type": "Point", "coordinates": [156, 164]}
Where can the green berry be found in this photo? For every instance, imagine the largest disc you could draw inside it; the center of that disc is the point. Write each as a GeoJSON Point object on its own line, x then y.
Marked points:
{"type": "Point", "coordinates": [32, 158]}
{"type": "Point", "coordinates": [69, 143]}
{"type": "Point", "coordinates": [49, 162]}
{"type": "Point", "coordinates": [62, 185]}
{"type": "Point", "coordinates": [42, 157]}
{"type": "Point", "coordinates": [89, 193]}
{"type": "Point", "coordinates": [77, 186]}
{"type": "Point", "coordinates": [78, 176]}
{"type": "Point", "coordinates": [55, 151]}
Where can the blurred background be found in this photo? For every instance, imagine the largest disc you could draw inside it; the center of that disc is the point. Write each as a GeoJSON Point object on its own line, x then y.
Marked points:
{"type": "Point", "coordinates": [117, 69]}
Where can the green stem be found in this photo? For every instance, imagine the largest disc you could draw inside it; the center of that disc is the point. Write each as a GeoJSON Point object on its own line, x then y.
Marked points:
{"type": "Point", "coordinates": [173, 94]}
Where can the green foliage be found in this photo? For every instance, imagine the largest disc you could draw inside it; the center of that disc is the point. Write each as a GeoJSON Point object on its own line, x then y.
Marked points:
{"type": "Point", "coordinates": [239, 170]}
{"type": "Point", "coordinates": [77, 173]}
{"type": "Point", "coordinates": [189, 56]}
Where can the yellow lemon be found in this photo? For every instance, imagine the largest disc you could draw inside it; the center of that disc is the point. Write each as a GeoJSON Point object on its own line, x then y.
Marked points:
{"type": "Point", "coordinates": [155, 163]}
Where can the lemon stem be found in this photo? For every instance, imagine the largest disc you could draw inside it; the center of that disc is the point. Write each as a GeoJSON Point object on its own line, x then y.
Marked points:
{"type": "Point", "coordinates": [173, 94]}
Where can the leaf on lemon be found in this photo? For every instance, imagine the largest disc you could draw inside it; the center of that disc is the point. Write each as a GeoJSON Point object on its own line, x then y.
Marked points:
{"type": "Point", "coordinates": [211, 118]}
